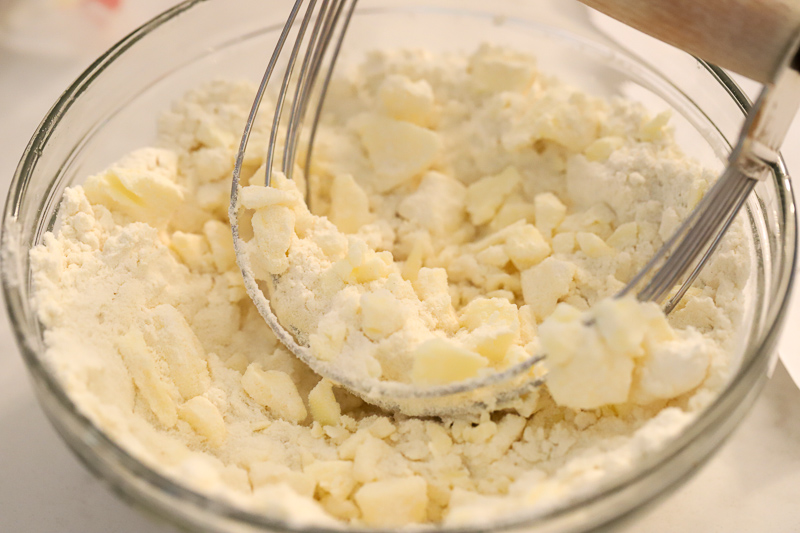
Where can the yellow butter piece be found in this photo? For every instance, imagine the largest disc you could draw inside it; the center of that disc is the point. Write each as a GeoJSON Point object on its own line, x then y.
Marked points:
{"type": "Point", "coordinates": [276, 391]}
{"type": "Point", "coordinates": [393, 502]}
{"type": "Point", "coordinates": [323, 405]}
{"type": "Point", "coordinates": [438, 361]}
{"type": "Point", "coordinates": [205, 419]}
{"type": "Point", "coordinates": [398, 150]}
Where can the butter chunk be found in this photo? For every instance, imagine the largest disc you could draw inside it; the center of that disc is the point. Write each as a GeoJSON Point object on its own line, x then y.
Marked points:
{"type": "Point", "coordinates": [494, 326]}
{"type": "Point", "coordinates": [525, 246]}
{"type": "Point", "coordinates": [485, 196]}
{"type": "Point", "coordinates": [273, 228]}
{"type": "Point", "coordinates": [276, 391]}
{"type": "Point", "coordinates": [204, 417]}
{"type": "Point", "coordinates": [653, 129]}
{"type": "Point", "coordinates": [381, 314]}
{"type": "Point", "coordinates": [545, 284]}
{"type": "Point", "coordinates": [329, 339]}
{"type": "Point", "coordinates": [367, 458]}
{"type": "Point", "coordinates": [550, 213]}
{"type": "Point", "coordinates": [393, 502]}
{"type": "Point", "coordinates": [625, 236]}
{"type": "Point", "coordinates": [142, 185]}
{"type": "Point", "coordinates": [494, 69]}
{"type": "Point", "coordinates": [193, 250]}
{"type": "Point", "coordinates": [432, 289]}
{"type": "Point", "coordinates": [141, 364]}
{"type": "Point", "coordinates": [439, 361]}
{"type": "Point", "coordinates": [398, 150]}
{"type": "Point", "coordinates": [486, 310]}
{"type": "Point", "coordinates": [258, 197]}
{"type": "Point", "coordinates": [564, 243]}
{"type": "Point", "coordinates": [271, 473]}
{"type": "Point", "coordinates": [334, 477]}
{"type": "Point", "coordinates": [349, 204]}
{"type": "Point", "coordinates": [323, 405]}
{"type": "Point", "coordinates": [622, 324]}
{"type": "Point", "coordinates": [382, 428]}
{"type": "Point", "coordinates": [220, 241]}
{"type": "Point", "coordinates": [602, 148]}
{"type": "Point", "coordinates": [512, 212]}
{"type": "Point", "coordinates": [592, 245]}
{"type": "Point", "coordinates": [182, 350]}
{"type": "Point", "coordinates": [672, 368]}
{"type": "Point", "coordinates": [582, 371]}
{"type": "Point", "coordinates": [403, 99]}
{"type": "Point", "coordinates": [437, 205]}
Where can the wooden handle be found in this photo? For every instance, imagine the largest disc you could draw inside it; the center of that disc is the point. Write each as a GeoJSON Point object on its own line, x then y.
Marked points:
{"type": "Point", "coordinates": [750, 37]}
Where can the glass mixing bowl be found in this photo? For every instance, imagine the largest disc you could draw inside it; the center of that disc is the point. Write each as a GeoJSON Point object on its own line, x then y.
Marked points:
{"type": "Point", "coordinates": [110, 110]}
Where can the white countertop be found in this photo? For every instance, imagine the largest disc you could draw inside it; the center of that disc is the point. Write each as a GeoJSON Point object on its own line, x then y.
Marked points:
{"type": "Point", "coordinates": [752, 484]}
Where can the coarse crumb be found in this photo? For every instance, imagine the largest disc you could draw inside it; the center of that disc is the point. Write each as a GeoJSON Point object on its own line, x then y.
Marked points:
{"type": "Point", "coordinates": [466, 208]}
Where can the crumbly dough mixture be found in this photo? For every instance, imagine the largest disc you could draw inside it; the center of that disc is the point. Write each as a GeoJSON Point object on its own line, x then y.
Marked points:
{"type": "Point", "coordinates": [468, 210]}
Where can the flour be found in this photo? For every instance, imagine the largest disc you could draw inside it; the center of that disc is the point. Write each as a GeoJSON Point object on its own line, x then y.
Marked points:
{"type": "Point", "coordinates": [468, 209]}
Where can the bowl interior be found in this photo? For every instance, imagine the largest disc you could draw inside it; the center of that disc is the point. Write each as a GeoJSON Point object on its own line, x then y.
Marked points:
{"type": "Point", "coordinates": [112, 110]}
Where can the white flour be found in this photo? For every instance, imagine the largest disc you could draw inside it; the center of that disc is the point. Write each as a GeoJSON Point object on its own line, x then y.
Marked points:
{"type": "Point", "coordinates": [480, 197]}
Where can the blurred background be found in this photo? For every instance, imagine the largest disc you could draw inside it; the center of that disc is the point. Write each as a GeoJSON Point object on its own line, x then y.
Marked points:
{"type": "Point", "coordinates": [751, 485]}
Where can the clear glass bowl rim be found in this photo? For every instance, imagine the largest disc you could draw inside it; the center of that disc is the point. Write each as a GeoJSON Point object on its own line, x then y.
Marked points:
{"type": "Point", "coordinates": [749, 378]}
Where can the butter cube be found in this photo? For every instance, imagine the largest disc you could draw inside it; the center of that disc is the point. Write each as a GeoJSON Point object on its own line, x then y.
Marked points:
{"type": "Point", "coordinates": [371, 269]}
{"type": "Point", "coordinates": [141, 364]}
{"type": "Point", "coordinates": [204, 417]}
{"type": "Point", "coordinates": [624, 236]}
{"type": "Point", "coordinates": [220, 241]}
{"type": "Point", "coordinates": [382, 428]}
{"type": "Point", "coordinates": [496, 70]}
{"type": "Point", "coordinates": [485, 196]}
{"type": "Point", "coordinates": [526, 247]}
{"type": "Point", "coordinates": [550, 213]}
{"type": "Point", "coordinates": [512, 212]}
{"type": "Point", "coordinates": [583, 372]}
{"type": "Point", "coordinates": [182, 351]}
{"type": "Point", "coordinates": [142, 185]}
{"type": "Point", "coordinates": [592, 245]}
{"type": "Point", "coordinates": [258, 197]}
{"type": "Point", "coordinates": [545, 284]}
{"type": "Point", "coordinates": [344, 510]}
{"type": "Point", "coordinates": [494, 256]}
{"type": "Point", "coordinates": [398, 150]}
{"type": "Point", "coordinates": [432, 289]}
{"type": "Point", "coordinates": [407, 100]}
{"type": "Point", "coordinates": [349, 204]}
{"type": "Point", "coordinates": [381, 314]}
{"type": "Point", "coordinates": [653, 129]}
{"type": "Point", "coordinates": [276, 391]}
{"type": "Point", "coordinates": [438, 361]}
{"type": "Point", "coordinates": [334, 477]}
{"type": "Point", "coordinates": [271, 473]}
{"type": "Point", "coordinates": [328, 341]}
{"type": "Point", "coordinates": [564, 243]}
{"type": "Point", "coordinates": [622, 324]}
{"type": "Point", "coordinates": [487, 310]}
{"type": "Point", "coordinates": [273, 228]}
{"type": "Point", "coordinates": [323, 405]}
{"type": "Point", "coordinates": [602, 148]}
{"type": "Point", "coordinates": [494, 326]}
{"type": "Point", "coordinates": [368, 456]}
{"type": "Point", "coordinates": [393, 502]}
{"type": "Point", "coordinates": [437, 205]}
{"type": "Point", "coordinates": [672, 369]}
{"type": "Point", "coordinates": [193, 250]}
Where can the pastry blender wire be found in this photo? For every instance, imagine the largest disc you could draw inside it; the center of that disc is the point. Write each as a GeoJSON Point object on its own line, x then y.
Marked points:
{"type": "Point", "coordinates": [665, 279]}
